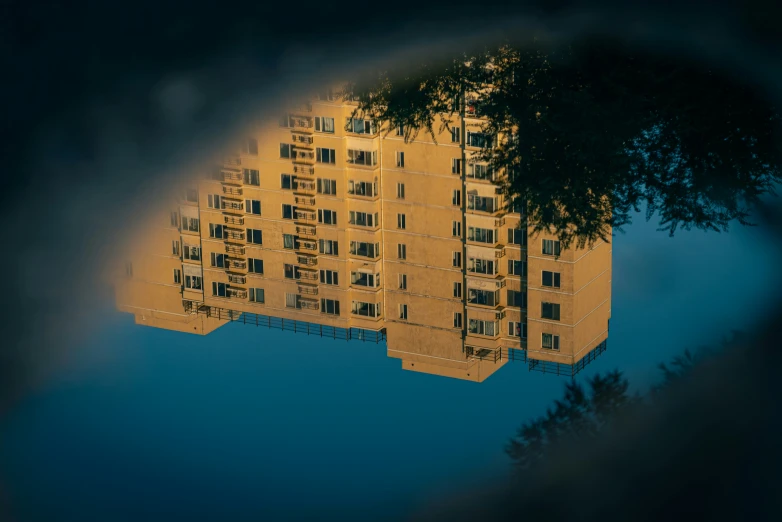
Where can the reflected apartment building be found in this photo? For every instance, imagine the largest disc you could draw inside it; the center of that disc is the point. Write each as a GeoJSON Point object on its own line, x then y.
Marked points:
{"type": "Point", "coordinates": [327, 225]}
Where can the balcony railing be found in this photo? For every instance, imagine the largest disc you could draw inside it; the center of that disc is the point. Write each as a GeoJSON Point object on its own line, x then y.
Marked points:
{"type": "Point", "coordinates": [307, 260]}
{"type": "Point", "coordinates": [304, 186]}
{"type": "Point", "coordinates": [234, 249]}
{"type": "Point", "coordinates": [307, 244]}
{"type": "Point", "coordinates": [303, 155]}
{"type": "Point", "coordinates": [299, 122]}
{"type": "Point", "coordinates": [500, 252]}
{"type": "Point", "coordinates": [309, 275]}
{"type": "Point", "coordinates": [234, 234]}
{"type": "Point", "coordinates": [232, 161]}
{"type": "Point", "coordinates": [305, 200]}
{"type": "Point", "coordinates": [303, 107]}
{"type": "Point", "coordinates": [237, 279]}
{"type": "Point", "coordinates": [232, 191]}
{"type": "Point", "coordinates": [309, 290]}
{"type": "Point", "coordinates": [236, 264]}
{"type": "Point", "coordinates": [305, 230]}
{"type": "Point", "coordinates": [233, 220]}
{"type": "Point", "coordinates": [232, 175]}
{"type": "Point", "coordinates": [306, 140]}
{"type": "Point", "coordinates": [302, 169]}
{"type": "Point", "coordinates": [305, 215]}
{"type": "Point", "coordinates": [233, 206]}
{"type": "Point", "coordinates": [499, 222]}
{"type": "Point", "coordinates": [236, 292]}
{"type": "Point", "coordinates": [310, 304]}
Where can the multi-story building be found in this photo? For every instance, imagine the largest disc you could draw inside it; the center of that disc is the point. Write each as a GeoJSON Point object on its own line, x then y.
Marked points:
{"type": "Point", "coordinates": [325, 221]}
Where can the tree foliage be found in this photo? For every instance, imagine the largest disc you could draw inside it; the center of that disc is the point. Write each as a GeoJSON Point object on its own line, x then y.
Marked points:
{"type": "Point", "coordinates": [594, 130]}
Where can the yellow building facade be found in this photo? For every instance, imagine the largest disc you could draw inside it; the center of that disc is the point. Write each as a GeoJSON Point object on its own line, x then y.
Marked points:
{"type": "Point", "coordinates": [330, 223]}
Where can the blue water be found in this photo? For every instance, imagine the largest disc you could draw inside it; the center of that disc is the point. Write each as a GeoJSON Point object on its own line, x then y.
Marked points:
{"type": "Point", "coordinates": [256, 424]}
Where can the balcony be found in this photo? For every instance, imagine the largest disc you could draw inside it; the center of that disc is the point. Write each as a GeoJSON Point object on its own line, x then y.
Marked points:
{"type": "Point", "coordinates": [308, 303]}
{"type": "Point", "coordinates": [233, 206]}
{"type": "Point", "coordinates": [304, 186]}
{"type": "Point", "coordinates": [306, 244]}
{"type": "Point", "coordinates": [234, 234]}
{"type": "Point", "coordinates": [306, 230]}
{"type": "Point", "coordinates": [298, 122]}
{"type": "Point", "coordinates": [499, 253]}
{"type": "Point", "coordinates": [232, 161]}
{"type": "Point", "coordinates": [232, 175]}
{"type": "Point", "coordinates": [235, 249]}
{"type": "Point", "coordinates": [302, 108]}
{"type": "Point", "coordinates": [307, 260]}
{"type": "Point", "coordinates": [304, 215]}
{"type": "Point", "coordinates": [307, 201]}
{"type": "Point", "coordinates": [303, 169]}
{"type": "Point", "coordinates": [308, 275]}
{"type": "Point", "coordinates": [237, 279]}
{"type": "Point", "coordinates": [233, 220]}
{"type": "Point", "coordinates": [236, 292]}
{"type": "Point", "coordinates": [236, 264]}
{"type": "Point", "coordinates": [303, 139]}
{"type": "Point", "coordinates": [499, 222]}
{"type": "Point", "coordinates": [232, 191]}
{"type": "Point", "coordinates": [308, 290]}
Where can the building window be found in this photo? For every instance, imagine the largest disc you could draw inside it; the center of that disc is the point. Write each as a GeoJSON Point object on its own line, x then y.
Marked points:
{"type": "Point", "coordinates": [175, 248]}
{"type": "Point", "coordinates": [362, 188]}
{"type": "Point", "coordinates": [481, 203]}
{"type": "Point", "coordinates": [480, 171]}
{"type": "Point", "coordinates": [257, 295]}
{"type": "Point", "coordinates": [400, 159]}
{"type": "Point", "coordinates": [481, 235]}
{"type": "Point", "coordinates": [192, 253]}
{"type": "Point", "coordinates": [287, 211]}
{"type": "Point", "coordinates": [457, 319]}
{"type": "Point", "coordinates": [400, 130]}
{"type": "Point", "coordinates": [456, 166]}
{"type": "Point", "coordinates": [362, 157]}
{"type": "Point", "coordinates": [253, 206]}
{"type": "Point", "coordinates": [327, 217]}
{"type": "Point", "coordinates": [218, 260]}
{"type": "Point", "coordinates": [517, 298]}
{"type": "Point", "coordinates": [252, 177]}
{"type": "Point", "coordinates": [190, 224]}
{"type": "Point", "coordinates": [549, 311]}
{"type": "Point", "coordinates": [479, 139]}
{"type": "Point", "coordinates": [551, 247]}
{"type": "Point", "coordinates": [363, 249]}
{"type": "Point", "coordinates": [363, 219]}
{"type": "Point", "coordinates": [254, 236]}
{"type": "Point", "coordinates": [483, 297]}
{"type": "Point", "coordinates": [329, 277]}
{"type": "Point", "coordinates": [456, 199]}
{"type": "Point", "coordinates": [401, 221]}
{"type": "Point", "coordinates": [216, 231]}
{"type": "Point", "coordinates": [551, 279]}
{"type": "Point", "coordinates": [403, 281]}
{"type": "Point", "coordinates": [456, 228]}
{"type": "Point", "coordinates": [329, 306]}
{"type": "Point", "coordinates": [403, 311]}
{"type": "Point", "coordinates": [457, 289]}
{"type": "Point", "coordinates": [456, 133]}
{"type": "Point", "coordinates": [325, 155]}
{"type": "Point", "coordinates": [191, 195]}
{"type": "Point", "coordinates": [255, 265]}
{"type": "Point", "coordinates": [481, 266]}
{"type": "Point", "coordinates": [286, 150]}
{"type": "Point", "coordinates": [288, 241]}
{"type": "Point", "coordinates": [292, 300]}
{"type": "Point", "coordinates": [365, 309]}
{"type": "Point", "coordinates": [518, 268]}
{"type": "Point", "coordinates": [517, 236]}
{"type": "Point", "coordinates": [291, 272]}
{"type": "Point", "coordinates": [193, 282]}
{"type": "Point", "coordinates": [550, 342]}
{"type": "Point", "coordinates": [324, 124]}
{"type": "Point", "coordinates": [286, 181]}
{"type": "Point", "coordinates": [457, 259]}
{"type": "Point", "coordinates": [327, 186]}
{"type": "Point", "coordinates": [479, 327]}
{"type": "Point", "coordinates": [219, 289]}
{"type": "Point", "coordinates": [177, 276]}
{"type": "Point", "coordinates": [400, 191]}
{"type": "Point", "coordinates": [401, 251]}
{"type": "Point", "coordinates": [213, 201]}
{"type": "Point", "coordinates": [360, 126]}
{"type": "Point", "coordinates": [285, 121]}
{"type": "Point", "coordinates": [251, 146]}
{"type": "Point", "coordinates": [174, 218]}
{"type": "Point", "coordinates": [516, 329]}
{"type": "Point", "coordinates": [365, 279]}
{"type": "Point", "coordinates": [329, 247]}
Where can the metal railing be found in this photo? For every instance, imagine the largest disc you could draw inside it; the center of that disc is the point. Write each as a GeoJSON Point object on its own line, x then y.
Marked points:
{"type": "Point", "coordinates": [234, 234]}
{"type": "Point", "coordinates": [306, 230]}
{"type": "Point", "coordinates": [309, 290]}
{"type": "Point", "coordinates": [309, 276]}
{"type": "Point", "coordinates": [236, 264]}
{"type": "Point", "coordinates": [232, 176]}
{"type": "Point", "coordinates": [233, 220]}
{"type": "Point", "coordinates": [232, 160]}
{"type": "Point", "coordinates": [300, 169]}
{"type": "Point", "coordinates": [232, 191]}
{"type": "Point", "coordinates": [307, 260]}
{"type": "Point", "coordinates": [304, 200]}
{"type": "Point", "coordinates": [237, 279]}
{"type": "Point", "coordinates": [234, 249]}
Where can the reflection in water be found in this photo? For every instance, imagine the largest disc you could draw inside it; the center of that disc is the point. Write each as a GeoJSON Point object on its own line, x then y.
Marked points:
{"type": "Point", "coordinates": [325, 224]}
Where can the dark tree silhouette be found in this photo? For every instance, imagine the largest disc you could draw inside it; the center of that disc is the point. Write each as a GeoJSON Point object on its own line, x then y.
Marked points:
{"type": "Point", "coordinates": [595, 130]}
